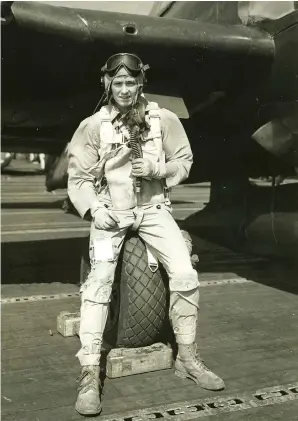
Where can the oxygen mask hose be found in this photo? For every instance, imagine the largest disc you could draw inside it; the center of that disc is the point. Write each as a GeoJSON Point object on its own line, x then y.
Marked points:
{"type": "Point", "coordinates": [136, 148]}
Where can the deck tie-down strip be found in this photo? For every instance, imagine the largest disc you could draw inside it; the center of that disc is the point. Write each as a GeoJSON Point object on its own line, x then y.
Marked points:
{"type": "Point", "coordinates": [25, 299]}
{"type": "Point", "coordinates": [211, 406]}
{"type": "Point", "coordinates": [13, 300]}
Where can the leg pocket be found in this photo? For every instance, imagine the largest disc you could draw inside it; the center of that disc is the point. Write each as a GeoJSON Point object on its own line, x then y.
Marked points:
{"type": "Point", "coordinates": [98, 286]}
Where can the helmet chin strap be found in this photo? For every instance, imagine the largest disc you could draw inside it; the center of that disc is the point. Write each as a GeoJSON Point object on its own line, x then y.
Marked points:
{"type": "Point", "coordinates": [138, 96]}
{"type": "Point", "coordinates": [105, 96]}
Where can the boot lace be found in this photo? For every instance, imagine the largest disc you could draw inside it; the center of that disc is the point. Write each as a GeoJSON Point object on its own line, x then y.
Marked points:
{"type": "Point", "coordinates": [200, 361]}
{"type": "Point", "coordinates": [91, 383]}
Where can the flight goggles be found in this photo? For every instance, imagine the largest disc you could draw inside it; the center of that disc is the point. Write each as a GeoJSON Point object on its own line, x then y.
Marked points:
{"type": "Point", "coordinates": [130, 61]}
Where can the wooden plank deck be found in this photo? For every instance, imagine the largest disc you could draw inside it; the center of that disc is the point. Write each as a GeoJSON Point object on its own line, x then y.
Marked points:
{"type": "Point", "coordinates": [248, 333]}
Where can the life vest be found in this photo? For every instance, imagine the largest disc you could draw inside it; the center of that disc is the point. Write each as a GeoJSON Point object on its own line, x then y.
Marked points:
{"type": "Point", "coordinates": [113, 169]}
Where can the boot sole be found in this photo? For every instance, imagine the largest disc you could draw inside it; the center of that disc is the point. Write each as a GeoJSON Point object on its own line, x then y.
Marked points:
{"type": "Point", "coordinates": [189, 376]}
{"type": "Point", "coordinates": [91, 413]}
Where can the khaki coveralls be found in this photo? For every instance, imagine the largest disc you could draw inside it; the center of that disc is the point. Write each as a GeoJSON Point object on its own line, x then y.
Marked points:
{"type": "Point", "coordinates": [98, 150]}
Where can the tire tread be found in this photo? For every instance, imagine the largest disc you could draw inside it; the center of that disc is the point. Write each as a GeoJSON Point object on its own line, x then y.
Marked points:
{"type": "Point", "coordinates": [146, 294]}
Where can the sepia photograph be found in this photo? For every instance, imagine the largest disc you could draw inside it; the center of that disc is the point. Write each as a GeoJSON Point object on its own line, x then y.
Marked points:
{"type": "Point", "coordinates": [149, 210]}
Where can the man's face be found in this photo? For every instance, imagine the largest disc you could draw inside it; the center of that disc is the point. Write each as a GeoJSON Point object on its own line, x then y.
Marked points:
{"type": "Point", "coordinates": [124, 89]}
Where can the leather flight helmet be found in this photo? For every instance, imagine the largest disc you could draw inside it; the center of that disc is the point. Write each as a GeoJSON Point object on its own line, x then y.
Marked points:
{"type": "Point", "coordinates": [132, 63]}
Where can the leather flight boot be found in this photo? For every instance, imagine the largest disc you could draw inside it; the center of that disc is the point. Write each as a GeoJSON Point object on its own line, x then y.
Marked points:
{"type": "Point", "coordinates": [88, 401]}
{"type": "Point", "coordinates": [189, 365]}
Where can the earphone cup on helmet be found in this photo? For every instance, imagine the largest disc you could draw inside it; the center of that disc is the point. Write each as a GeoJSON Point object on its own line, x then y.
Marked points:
{"type": "Point", "coordinates": [144, 82]}
{"type": "Point", "coordinates": [106, 80]}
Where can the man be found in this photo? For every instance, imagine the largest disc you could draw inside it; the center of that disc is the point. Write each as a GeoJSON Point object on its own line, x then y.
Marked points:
{"type": "Point", "coordinates": [122, 189]}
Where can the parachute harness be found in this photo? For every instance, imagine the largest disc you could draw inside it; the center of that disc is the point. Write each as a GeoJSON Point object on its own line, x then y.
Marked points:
{"type": "Point", "coordinates": [134, 119]}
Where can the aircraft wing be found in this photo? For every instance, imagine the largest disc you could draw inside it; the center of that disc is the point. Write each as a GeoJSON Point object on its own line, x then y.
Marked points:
{"type": "Point", "coordinates": [49, 50]}
{"type": "Point", "coordinates": [204, 68]}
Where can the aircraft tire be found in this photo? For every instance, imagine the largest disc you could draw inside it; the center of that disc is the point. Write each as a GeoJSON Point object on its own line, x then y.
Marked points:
{"type": "Point", "coordinates": [138, 314]}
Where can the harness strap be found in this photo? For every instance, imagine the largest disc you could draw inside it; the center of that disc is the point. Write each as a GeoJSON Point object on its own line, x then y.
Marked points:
{"type": "Point", "coordinates": [124, 132]}
{"type": "Point", "coordinates": [152, 261]}
{"type": "Point", "coordinates": [109, 137]}
{"type": "Point", "coordinates": [139, 215]}
{"type": "Point", "coordinates": [155, 127]}
{"type": "Point", "coordinates": [106, 127]}
{"type": "Point", "coordinates": [154, 118]}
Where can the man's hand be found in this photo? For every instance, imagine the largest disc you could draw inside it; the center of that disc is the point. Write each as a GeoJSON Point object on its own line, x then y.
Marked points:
{"type": "Point", "coordinates": [105, 219]}
{"type": "Point", "coordinates": [143, 167]}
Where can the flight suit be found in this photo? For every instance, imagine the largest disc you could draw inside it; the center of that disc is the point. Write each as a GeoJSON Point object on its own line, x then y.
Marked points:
{"type": "Point", "coordinates": [100, 176]}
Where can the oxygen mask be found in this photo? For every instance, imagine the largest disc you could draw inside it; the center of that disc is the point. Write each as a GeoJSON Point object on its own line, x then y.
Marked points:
{"type": "Point", "coordinates": [135, 117]}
